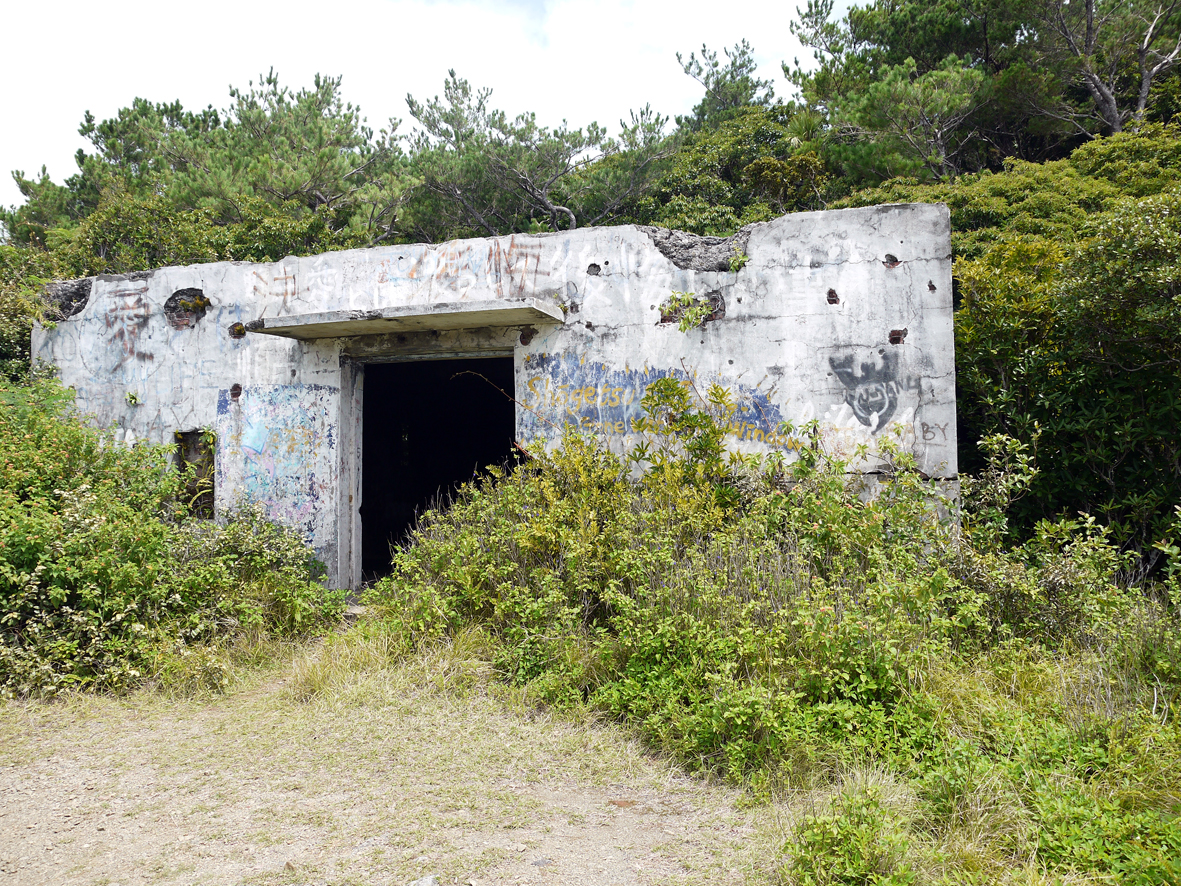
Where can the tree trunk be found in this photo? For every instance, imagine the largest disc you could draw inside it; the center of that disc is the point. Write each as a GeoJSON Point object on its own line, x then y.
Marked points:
{"type": "Point", "coordinates": [1105, 101]}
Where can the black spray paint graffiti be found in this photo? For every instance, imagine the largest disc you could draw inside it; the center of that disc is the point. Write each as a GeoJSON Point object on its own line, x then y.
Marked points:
{"type": "Point", "coordinates": [872, 388]}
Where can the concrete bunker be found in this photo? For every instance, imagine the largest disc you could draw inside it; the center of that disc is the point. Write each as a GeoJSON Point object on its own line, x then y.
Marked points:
{"type": "Point", "coordinates": [320, 380]}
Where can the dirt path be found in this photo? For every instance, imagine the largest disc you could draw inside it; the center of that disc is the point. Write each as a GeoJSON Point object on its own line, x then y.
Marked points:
{"type": "Point", "coordinates": [392, 778]}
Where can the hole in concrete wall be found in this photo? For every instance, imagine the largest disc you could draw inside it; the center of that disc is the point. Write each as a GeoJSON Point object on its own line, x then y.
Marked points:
{"type": "Point", "coordinates": [715, 301]}
{"type": "Point", "coordinates": [833, 298]}
{"type": "Point", "coordinates": [427, 426]}
{"type": "Point", "coordinates": [185, 307]}
{"type": "Point", "coordinates": [891, 261]}
{"type": "Point", "coordinates": [593, 269]}
{"type": "Point", "coordinates": [897, 336]}
{"type": "Point", "coordinates": [68, 297]}
{"type": "Point", "coordinates": [194, 459]}
{"type": "Point", "coordinates": [237, 330]}
{"type": "Point", "coordinates": [235, 392]}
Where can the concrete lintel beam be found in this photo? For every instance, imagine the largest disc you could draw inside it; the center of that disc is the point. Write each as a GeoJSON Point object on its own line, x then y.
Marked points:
{"type": "Point", "coordinates": [412, 318]}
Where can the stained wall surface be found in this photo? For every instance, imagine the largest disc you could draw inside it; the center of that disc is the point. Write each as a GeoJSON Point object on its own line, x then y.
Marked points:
{"type": "Point", "coordinates": [842, 317]}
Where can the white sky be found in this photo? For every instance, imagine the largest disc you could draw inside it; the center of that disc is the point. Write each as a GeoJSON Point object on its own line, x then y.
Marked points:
{"type": "Point", "coordinates": [570, 59]}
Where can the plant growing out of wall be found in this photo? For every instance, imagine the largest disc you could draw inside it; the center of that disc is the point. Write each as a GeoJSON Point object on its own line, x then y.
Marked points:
{"type": "Point", "coordinates": [690, 312]}
{"type": "Point", "coordinates": [738, 260]}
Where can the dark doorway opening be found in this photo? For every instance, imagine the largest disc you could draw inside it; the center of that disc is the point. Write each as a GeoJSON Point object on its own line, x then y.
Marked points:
{"type": "Point", "coordinates": [427, 427]}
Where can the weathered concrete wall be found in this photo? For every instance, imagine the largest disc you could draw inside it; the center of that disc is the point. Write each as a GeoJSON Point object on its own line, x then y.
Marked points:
{"type": "Point", "coordinates": [843, 317]}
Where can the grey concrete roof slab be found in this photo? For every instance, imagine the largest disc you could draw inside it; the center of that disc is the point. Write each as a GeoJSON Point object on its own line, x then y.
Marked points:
{"type": "Point", "coordinates": [414, 318]}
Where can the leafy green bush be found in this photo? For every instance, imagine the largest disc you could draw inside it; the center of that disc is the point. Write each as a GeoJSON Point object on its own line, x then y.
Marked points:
{"type": "Point", "coordinates": [131, 233]}
{"type": "Point", "coordinates": [101, 565]}
{"type": "Point", "coordinates": [23, 273]}
{"type": "Point", "coordinates": [858, 843]}
{"type": "Point", "coordinates": [782, 624]}
{"type": "Point", "coordinates": [751, 167]}
{"type": "Point", "coordinates": [1080, 831]}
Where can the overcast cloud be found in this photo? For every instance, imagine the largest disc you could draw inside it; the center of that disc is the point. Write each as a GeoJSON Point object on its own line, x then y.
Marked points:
{"type": "Point", "coordinates": [561, 58]}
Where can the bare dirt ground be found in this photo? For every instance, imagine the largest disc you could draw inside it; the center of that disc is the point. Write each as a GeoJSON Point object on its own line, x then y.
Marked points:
{"type": "Point", "coordinates": [382, 777]}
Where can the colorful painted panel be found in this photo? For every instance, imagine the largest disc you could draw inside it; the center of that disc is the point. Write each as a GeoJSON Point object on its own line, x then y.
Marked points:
{"type": "Point", "coordinates": [277, 446]}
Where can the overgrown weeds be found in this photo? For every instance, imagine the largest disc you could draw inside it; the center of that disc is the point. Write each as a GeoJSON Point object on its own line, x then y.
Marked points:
{"type": "Point", "coordinates": [108, 580]}
{"type": "Point", "coordinates": [780, 626]}
{"type": "Point", "coordinates": [941, 704]}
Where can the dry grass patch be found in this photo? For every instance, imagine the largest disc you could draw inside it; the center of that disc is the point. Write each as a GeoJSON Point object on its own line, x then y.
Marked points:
{"type": "Point", "coordinates": [342, 764]}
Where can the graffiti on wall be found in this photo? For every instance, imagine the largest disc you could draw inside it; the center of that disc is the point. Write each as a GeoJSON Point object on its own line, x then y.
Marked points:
{"type": "Point", "coordinates": [280, 285]}
{"type": "Point", "coordinates": [282, 441]}
{"type": "Point", "coordinates": [598, 398]}
{"type": "Point", "coordinates": [507, 267]}
{"type": "Point", "coordinates": [125, 319]}
{"type": "Point", "coordinates": [871, 387]}
{"type": "Point", "coordinates": [874, 387]}
{"type": "Point", "coordinates": [559, 390]}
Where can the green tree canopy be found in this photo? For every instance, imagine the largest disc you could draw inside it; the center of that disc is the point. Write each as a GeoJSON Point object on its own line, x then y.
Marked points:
{"type": "Point", "coordinates": [915, 122]}
{"type": "Point", "coordinates": [478, 173]}
{"type": "Point", "coordinates": [754, 166]}
{"type": "Point", "coordinates": [305, 151]}
{"type": "Point", "coordinates": [292, 154]}
{"type": "Point", "coordinates": [1047, 75]}
{"type": "Point", "coordinates": [729, 87]}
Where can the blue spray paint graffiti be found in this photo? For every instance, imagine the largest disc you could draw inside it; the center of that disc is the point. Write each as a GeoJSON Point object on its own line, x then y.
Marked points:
{"type": "Point", "coordinates": [283, 439]}
{"type": "Point", "coordinates": [560, 390]}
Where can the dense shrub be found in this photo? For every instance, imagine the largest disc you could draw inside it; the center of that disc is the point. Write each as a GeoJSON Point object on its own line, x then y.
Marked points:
{"type": "Point", "coordinates": [23, 273]}
{"type": "Point", "coordinates": [858, 842]}
{"type": "Point", "coordinates": [778, 625]}
{"type": "Point", "coordinates": [102, 566]}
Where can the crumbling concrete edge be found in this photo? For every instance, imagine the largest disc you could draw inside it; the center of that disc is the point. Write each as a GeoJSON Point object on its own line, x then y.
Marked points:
{"type": "Point", "coordinates": [699, 252]}
{"type": "Point", "coordinates": [66, 298]}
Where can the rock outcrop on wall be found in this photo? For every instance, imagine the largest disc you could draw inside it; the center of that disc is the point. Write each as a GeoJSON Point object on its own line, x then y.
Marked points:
{"type": "Point", "coordinates": [840, 317]}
